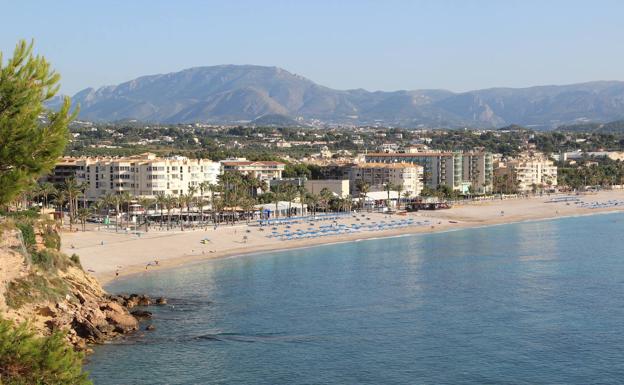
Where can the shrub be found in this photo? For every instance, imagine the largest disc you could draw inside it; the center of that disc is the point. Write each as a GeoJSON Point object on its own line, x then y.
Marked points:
{"type": "Point", "coordinates": [51, 239]}
{"type": "Point", "coordinates": [49, 260]}
{"type": "Point", "coordinates": [28, 234]}
{"type": "Point", "coordinates": [76, 260]}
{"type": "Point", "coordinates": [28, 359]}
{"type": "Point", "coordinates": [34, 288]}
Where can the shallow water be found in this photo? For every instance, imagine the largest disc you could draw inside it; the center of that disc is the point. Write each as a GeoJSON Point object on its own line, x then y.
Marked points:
{"type": "Point", "coordinates": [529, 303]}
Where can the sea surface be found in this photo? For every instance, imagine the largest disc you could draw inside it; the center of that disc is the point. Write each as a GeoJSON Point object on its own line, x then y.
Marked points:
{"type": "Point", "coordinates": [529, 303]}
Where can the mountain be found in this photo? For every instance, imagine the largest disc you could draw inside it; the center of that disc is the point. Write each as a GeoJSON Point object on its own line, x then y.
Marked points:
{"type": "Point", "coordinates": [243, 93]}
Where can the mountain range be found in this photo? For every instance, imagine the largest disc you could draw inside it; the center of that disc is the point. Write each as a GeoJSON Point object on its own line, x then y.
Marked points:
{"type": "Point", "coordinates": [243, 93]}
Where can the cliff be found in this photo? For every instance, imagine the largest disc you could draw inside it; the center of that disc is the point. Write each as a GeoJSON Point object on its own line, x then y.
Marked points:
{"type": "Point", "coordinates": [49, 290]}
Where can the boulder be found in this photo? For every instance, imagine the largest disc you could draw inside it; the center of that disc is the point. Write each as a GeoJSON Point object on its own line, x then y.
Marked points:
{"type": "Point", "coordinates": [161, 301]}
{"type": "Point", "coordinates": [123, 323]}
{"type": "Point", "coordinates": [141, 314]}
{"type": "Point", "coordinates": [150, 327]}
{"type": "Point", "coordinates": [87, 331]}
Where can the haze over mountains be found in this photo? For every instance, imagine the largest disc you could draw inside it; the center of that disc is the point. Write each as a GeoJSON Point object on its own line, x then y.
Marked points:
{"type": "Point", "coordinates": [242, 93]}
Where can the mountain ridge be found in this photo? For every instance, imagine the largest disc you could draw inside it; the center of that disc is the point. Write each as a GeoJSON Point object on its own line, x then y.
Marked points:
{"type": "Point", "coordinates": [243, 93]}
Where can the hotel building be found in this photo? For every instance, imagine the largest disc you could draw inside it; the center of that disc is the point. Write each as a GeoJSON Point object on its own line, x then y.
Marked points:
{"type": "Point", "coordinates": [142, 176]}
{"type": "Point", "coordinates": [377, 175]}
{"type": "Point", "coordinates": [529, 171]}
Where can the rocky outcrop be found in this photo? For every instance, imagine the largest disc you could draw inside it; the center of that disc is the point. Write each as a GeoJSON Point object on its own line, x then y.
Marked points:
{"type": "Point", "coordinates": [63, 299]}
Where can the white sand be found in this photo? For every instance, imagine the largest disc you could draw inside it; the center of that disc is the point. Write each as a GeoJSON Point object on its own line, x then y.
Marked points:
{"type": "Point", "coordinates": [129, 254]}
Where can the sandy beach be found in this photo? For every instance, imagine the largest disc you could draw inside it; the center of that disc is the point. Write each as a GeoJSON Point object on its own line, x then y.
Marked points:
{"type": "Point", "coordinates": [106, 253]}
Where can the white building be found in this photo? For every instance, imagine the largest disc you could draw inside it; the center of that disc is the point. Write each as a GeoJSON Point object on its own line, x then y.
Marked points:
{"type": "Point", "coordinates": [377, 175]}
{"type": "Point", "coordinates": [142, 176]}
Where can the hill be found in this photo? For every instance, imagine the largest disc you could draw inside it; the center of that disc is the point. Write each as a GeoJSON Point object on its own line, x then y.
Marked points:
{"type": "Point", "coordinates": [243, 93]}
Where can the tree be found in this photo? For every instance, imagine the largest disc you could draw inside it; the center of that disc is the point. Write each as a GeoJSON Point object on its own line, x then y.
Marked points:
{"type": "Point", "coordinates": [161, 202]}
{"type": "Point", "coordinates": [28, 148]}
{"type": "Point", "coordinates": [83, 214]}
{"type": "Point", "coordinates": [73, 191]}
{"type": "Point", "coordinates": [363, 188]}
{"type": "Point", "coordinates": [28, 359]}
{"type": "Point", "coordinates": [399, 188]}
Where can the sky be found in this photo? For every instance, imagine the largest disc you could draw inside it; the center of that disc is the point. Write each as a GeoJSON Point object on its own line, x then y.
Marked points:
{"type": "Point", "coordinates": [376, 45]}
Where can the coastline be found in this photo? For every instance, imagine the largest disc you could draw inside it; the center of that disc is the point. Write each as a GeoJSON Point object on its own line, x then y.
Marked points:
{"type": "Point", "coordinates": [129, 255]}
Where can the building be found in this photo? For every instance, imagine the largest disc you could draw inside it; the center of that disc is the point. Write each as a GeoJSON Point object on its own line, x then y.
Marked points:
{"type": "Point", "coordinates": [340, 187]}
{"type": "Point", "coordinates": [528, 172]}
{"type": "Point", "coordinates": [456, 170]}
{"type": "Point", "coordinates": [142, 176]}
{"type": "Point", "coordinates": [440, 168]}
{"type": "Point", "coordinates": [377, 175]}
{"type": "Point", "coordinates": [478, 170]}
{"type": "Point", "coordinates": [263, 170]}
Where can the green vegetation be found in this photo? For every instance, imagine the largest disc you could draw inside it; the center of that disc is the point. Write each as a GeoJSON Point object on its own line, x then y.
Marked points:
{"type": "Point", "coordinates": [35, 287]}
{"type": "Point", "coordinates": [26, 359]}
{"type": "Point", "coordinates": [28, 234]}
{"type": "Point", "coordinates": [28, 148]}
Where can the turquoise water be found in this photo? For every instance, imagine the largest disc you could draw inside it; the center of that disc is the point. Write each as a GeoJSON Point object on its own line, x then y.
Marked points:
{"type": "Point", "coordinates": [530, 303]}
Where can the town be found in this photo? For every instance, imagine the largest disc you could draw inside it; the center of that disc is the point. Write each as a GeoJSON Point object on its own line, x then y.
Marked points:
{"type": "Point", "coordinates": [243, 173]}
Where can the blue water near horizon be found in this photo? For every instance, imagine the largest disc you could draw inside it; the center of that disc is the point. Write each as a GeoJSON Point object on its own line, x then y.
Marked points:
{"type": "Point", "coordinates": [527, 303]}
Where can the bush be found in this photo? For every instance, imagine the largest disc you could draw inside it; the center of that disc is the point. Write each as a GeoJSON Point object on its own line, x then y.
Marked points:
{"type": "Point", "coordinates": [34, 288]}
{"type": "Point", "coordinates": [76, 260]}
{"type": "Point", "coordinates": [51, 239]}
{"type": "Point", "coordinates": [50, 260]}
{"type": "Point", "coordinates": [28, 234]}
{"type": "Point", "coordinates": [28, 359]}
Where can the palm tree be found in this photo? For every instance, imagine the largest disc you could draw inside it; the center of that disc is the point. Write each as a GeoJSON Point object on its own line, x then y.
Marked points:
{"type": "Point", "coordinates": [325, 197]}
{"type": "Point", "coordinates": [313, 201]}
{"type": "Point", "coordinates": [111, 201]}
{"type": "Point", "coordinates": [73, 190]}
{"type": "Point", "coordinates": [302, 196]}
{"type": "Point", "coordinates": [161, 202]}
{"type": "Point", "coordinates": [363, 188]}
{"type": "Point", "coordinates": [399, 188]}
{"type": "Point", "coordinates": [203, 186]}
{"type": "Point", "coordinates": [388, 187]}
{"type": "Point", "coordinates": [60, 200]}
{"type": "Point", "coordinates": [83, 214]}
{"type": "Point", "coordinates": [46, 189]}
{"type": "Point", "coordinates": [189, 199]}
{"type": "Point", "coordinates": [126, 198]}
{"type": "Point", "coordinates": [170, 203]}
{"type": "Point", "coordinates": [145, 203]}
{"type": "Point", "coordinates": [406, 195]}
{"type": "Point", "coordinates": [290, 193]}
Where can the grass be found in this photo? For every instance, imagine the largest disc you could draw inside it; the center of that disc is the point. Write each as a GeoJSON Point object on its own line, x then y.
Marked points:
{"type": "Point", "coordinates": [35, 288]}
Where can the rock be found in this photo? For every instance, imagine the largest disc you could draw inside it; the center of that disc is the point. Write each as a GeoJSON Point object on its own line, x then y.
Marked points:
{"type": "Point", "coordinates": [46, 311]}
{"type": "Point", "coordinates": [141, 314]}
{"type": "Point", "coordinates": [112, 306]}
{"type": "Point", "coordinates": [144, 301]}
{"type": "Point", "coordinates": [123, 323]}
{"type": "Point", "coordinates": [150, 327]}
{"type": "Point", "coordinates": [86, 330]}
{"type": "Point", "coordinates": [161, 301]}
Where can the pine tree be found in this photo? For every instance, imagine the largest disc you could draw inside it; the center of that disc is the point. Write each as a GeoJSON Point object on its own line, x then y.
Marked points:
{"type": "Point", "coordinates": [28, 359]}
{"type": "Point", "coordinates": [29, 146]}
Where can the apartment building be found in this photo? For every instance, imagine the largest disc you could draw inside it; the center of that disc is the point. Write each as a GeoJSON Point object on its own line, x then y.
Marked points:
{"type": "Point", "coordinates": [440, 168]}
{"type": "Point", "coordinates": [456, 170]}
{"type": "Point", "coordinates": [142, 176]}
{"type": "Point", "coordinates": [264, 170]}
{"type": "Point", "coordinates": [528, 171]}
{"type": "Point", "coordinates": [377, 175]}
{"type": "Point", "coordinates": [478, 170]}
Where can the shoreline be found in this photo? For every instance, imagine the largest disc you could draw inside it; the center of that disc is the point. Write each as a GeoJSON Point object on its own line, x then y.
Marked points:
{"type": "Point", "coordinates": [131, 255]}
{"type": "Point", "coordinates": [199, 258]}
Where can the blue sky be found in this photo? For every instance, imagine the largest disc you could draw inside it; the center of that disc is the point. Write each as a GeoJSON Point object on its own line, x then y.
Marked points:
{"type": "Point", "coordinates": [377, 45]}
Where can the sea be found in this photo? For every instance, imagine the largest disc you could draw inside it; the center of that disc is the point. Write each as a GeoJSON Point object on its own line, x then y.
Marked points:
{"type": "Point", "coordinates": [527, 303]}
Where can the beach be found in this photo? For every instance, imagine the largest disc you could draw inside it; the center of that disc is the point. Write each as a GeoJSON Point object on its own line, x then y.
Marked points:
{"type": "Point", "coordinates": [108, 254]}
